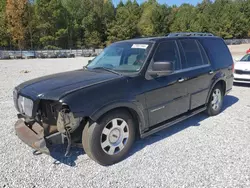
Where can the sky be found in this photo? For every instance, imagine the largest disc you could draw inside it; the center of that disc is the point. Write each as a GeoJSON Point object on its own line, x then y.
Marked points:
{"type": "Point", "coordinates": [168, 2]}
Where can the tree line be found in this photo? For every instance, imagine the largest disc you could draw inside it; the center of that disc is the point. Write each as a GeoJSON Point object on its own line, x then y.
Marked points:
{"type": "Point", "coordinates": [61, 24]}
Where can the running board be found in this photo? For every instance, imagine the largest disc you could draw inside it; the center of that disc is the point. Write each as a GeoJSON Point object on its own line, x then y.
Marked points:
{"type": "Point", "coordinates": [169, 124]}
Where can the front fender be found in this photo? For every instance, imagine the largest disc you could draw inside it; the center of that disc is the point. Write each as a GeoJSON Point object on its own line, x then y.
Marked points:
{"type": "Point", "coordinates": [133, 106]}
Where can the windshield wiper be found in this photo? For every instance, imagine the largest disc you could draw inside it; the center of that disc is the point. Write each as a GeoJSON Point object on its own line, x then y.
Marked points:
{"type": "Point", "coordinates": [106, 69]}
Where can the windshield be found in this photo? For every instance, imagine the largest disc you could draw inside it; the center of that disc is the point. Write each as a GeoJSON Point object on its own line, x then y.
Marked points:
{"type": "Point", "coordinates": [122, 57]}
{"type": "Point", "coordinates": [246, 58]}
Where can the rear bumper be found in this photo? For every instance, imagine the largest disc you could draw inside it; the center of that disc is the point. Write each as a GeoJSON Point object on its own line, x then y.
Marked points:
{"type": "Point", "coordinates": [33, 136]}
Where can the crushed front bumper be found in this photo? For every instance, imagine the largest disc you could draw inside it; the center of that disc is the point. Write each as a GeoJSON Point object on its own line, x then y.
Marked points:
{"type": "Point", "coordinates": [33, 136]}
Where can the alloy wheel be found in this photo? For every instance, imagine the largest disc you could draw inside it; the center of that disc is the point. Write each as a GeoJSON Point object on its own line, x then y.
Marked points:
{"type": "Point", "coordinates": [114, 136]}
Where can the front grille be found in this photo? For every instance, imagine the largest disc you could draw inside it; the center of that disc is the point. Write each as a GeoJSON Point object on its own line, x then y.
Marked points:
{"type": "Point", "coordinates": [49, 111]}
{"type": "Point", "coordinates": [241, 79]}
{"type": "Point", "coordinates": [242, 72]}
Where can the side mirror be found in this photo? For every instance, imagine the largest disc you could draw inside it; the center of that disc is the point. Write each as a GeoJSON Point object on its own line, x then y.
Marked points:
{"type": "Point", "coordinates": [161, 69]}
{"type": "Point", "coordinates": [89, 61]}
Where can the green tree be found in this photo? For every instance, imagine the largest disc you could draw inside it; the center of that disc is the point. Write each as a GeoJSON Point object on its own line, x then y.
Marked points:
{"type": "Point", "coordinates": [146, 25]}
{"type": "Point", "coordinates": [221, 22]}
{"type": "Point", "coordinates": [30, 22]}
{"type": "Point", "coordinates": [4, 38]}
{"type": "Point", "coordinates": [120, 4]}
{"type": "Point", "coordinates": [125, 24]}
{"type": "Point", "coordinates": [240, 16]}
{"type": "Point", "coordinates": [185, 19]}
{"type": "Point", "coordinates": [155, 19]}
{"type": "Point", "coordinates": [108, 17]}
{"type": "Point", "coordinates": [77, 11]}
{"type": "Point", "coordinates": [95, 23]}
{"type": "Point", "coordinates": [203, 23]}
{"type": "Point", "coordinates": [245, 9]}
{"type": "Point", "coordinates": [52, 23]}
{"type": "Point", "coordinates": [161, 19]}
{"type": "Point", "coordinates": [92, 23]}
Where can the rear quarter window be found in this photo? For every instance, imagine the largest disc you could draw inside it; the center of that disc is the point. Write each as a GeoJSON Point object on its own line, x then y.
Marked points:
{"type": "Point", "coordinates": [217, 51]}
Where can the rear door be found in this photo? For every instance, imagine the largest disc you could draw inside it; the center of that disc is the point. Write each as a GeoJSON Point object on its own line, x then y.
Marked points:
{"type": "Point", "coordinates": [197, 70]}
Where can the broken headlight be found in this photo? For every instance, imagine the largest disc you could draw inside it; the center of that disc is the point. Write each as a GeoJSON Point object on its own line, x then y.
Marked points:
{"type": "Point", "coordinates": [25, 105]}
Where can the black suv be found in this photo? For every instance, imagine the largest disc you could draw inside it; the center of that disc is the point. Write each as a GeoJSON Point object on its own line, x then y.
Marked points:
{"type": "Point", "coordinates": [134, 87]}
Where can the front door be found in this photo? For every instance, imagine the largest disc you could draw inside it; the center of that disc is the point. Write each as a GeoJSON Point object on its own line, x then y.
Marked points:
{"type": "Point", "coordinates": [167, 96]}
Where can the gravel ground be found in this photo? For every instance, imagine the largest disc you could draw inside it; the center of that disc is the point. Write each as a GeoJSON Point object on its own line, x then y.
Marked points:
{"type": "Point", "coordinates": [200, 152]}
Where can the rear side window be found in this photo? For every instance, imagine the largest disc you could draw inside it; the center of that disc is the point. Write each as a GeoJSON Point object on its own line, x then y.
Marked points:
{"type": "Point", "coordinates": [217, 51]}
{"type": "Point", "coordinates": [203, 53]}
{"type": "Point", "coordinates": [191, 51]}
{"type": "Point", "coordinates": [168, 52]}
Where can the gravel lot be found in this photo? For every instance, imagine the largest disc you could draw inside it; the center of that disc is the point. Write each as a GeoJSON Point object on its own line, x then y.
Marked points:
{"type": "Point", "coordinates": [199, 152]}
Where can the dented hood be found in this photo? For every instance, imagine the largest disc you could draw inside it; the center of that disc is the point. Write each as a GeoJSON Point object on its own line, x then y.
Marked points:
{"type": "Point", "coordinates": [58, 85]}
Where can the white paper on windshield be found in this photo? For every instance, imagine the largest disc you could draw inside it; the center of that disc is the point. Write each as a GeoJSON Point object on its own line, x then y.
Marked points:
{"type": "Point", "coordinates": [141, 46]}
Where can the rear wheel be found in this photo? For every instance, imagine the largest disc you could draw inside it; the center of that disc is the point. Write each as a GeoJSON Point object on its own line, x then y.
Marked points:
{"type": "Point", "coordinates": [215, 101]}
{"type": "Point", "coordinates": [110, 140]}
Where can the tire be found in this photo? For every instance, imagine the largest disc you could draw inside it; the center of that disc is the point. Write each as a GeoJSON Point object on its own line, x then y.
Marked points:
{"type": "Point", "coordinates": [215, 101]}
{"type": "Point", "coordinates": [110, 140]}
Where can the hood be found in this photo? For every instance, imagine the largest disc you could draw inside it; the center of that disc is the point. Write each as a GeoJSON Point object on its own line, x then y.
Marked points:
{"type": "Point", "coordinates": [55, 86]}
{"type": "Point", "coordinates": [243, 65]}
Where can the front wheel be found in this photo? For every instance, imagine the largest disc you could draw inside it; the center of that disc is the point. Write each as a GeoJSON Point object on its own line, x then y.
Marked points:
{"type": "Point", "coordinates": [110, 140]}
{"type": "Point", "coordinates": [215, 101]}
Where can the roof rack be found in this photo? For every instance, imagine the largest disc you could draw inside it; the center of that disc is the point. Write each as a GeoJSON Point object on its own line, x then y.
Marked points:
{"type": "Point", "coordinates": [190, 34]}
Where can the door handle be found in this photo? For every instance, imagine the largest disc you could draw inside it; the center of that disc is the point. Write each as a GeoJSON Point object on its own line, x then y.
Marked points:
{"type": "Point", "coordinates": [211, 72]}
{"type": "Point", "coordinates": [181, 80]}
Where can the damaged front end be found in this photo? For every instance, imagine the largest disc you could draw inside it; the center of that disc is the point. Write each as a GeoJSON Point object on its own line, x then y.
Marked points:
{"type": "Point", "coordinates": [32, 135]}
{"type": "Point", "coordinates": [66, 125]}
{"type": "Point", "coordinates": [53, 124]}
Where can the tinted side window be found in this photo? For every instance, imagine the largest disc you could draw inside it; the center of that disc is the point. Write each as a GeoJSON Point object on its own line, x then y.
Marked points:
{"type": "Point", "coordinates": [217, 52]}
{"type": "Point", "coordinates": [192, 53]}
{"type": "Point", "coordinates": [203, 53]}
{"type": "Point", "coordinates": [168, 52]}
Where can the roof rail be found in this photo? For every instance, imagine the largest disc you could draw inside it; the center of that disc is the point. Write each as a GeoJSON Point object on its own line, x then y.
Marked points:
{"type": "Point", "coordinates": [190, 34]}
{"type": "Point", "coordinates": [141, 37]}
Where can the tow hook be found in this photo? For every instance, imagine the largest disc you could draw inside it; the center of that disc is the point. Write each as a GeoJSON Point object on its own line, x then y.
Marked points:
{"type": "Point", "coordinates": [68, 136]}
{"type": "Point", "coordinates": [36, 153]}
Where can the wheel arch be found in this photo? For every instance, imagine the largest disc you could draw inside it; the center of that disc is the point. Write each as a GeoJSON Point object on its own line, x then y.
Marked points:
{"type": "Point", "coordinates": [132, 108]}
{"type": "Point", "coordinates": [221, 82]}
